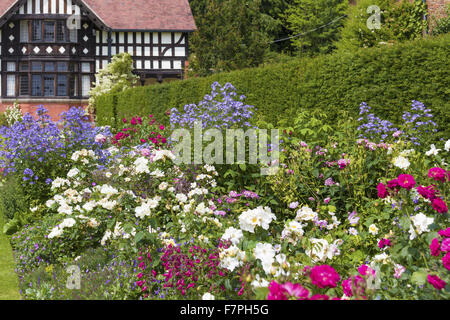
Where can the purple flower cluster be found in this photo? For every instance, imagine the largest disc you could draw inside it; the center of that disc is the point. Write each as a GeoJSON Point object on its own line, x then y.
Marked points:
{"type": "Point", "coordinates": [220, 110]}
{"type": "Point", "coordinates": [374, 127]}
{"type": "Point", "coordinates": [416, 122]}
{"type": "Point", "coordinates": [33, 142]}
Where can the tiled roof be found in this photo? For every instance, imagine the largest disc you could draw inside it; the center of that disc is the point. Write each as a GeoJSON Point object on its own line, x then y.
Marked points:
{"type": "Point", "coordinates": [5, 5]}
{"type": "Point", "coordinates": [162, 15]}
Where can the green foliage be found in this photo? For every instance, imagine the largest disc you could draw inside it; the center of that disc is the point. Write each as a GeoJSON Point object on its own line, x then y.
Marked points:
{"type": "Point", "coordinates": [306, 15]}
{"type": "Point", "coordinates": [407, 20]}
{"type": "Point", "coordinates": [13, 198]}
{"type": "Point", "coordinates": [399, 22]}
{"type": "Point", "coordinates": [387, 78]}
{"type": "Point", "coordinates": [3, 120]}
{"type": "Point", "coordinates": [231, 34]}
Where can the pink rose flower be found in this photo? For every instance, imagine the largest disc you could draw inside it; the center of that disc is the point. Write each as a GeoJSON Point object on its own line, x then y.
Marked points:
{"type": "Point", "coordinates": [426, 192]}
{"type": "Point", "coordinates": [446, 261]}
{"type": "Point", "coordinates": [399, 269]}
{"type": "Point", "coordinates": [296, 290]}
{"type": "Point", "coordinates": [445, 246]}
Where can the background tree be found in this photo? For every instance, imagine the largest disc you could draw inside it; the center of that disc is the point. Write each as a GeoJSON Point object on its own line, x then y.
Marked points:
{"type": "Point", "coordinates": [232, 34]}
{"type": "Point", "coordinates": [306, 15]}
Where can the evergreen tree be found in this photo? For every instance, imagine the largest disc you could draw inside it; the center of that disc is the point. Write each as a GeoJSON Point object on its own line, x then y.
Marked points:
{"type": "Point", "coordinates": [305, 15]}
{"type": "Point", "coordinates": [231, 34]}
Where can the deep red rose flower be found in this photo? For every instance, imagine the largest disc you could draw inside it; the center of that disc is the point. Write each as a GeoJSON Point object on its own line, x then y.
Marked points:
{"type": "Point", "coordinates": [439, 205]}
{"type": "Point", "coordinates": [382, 192]}
{"type": "Point", "coordinates": [406, 181]}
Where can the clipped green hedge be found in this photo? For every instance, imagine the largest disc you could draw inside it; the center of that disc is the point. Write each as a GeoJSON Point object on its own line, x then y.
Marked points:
{"type": "Point", "coordinates": [387, 78]}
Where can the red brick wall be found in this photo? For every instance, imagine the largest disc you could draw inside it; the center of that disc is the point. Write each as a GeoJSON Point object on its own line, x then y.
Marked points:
{"type": "Point", "coordinates": [54, 108]}
{"type": "Point", "coordinates": [437, 8]}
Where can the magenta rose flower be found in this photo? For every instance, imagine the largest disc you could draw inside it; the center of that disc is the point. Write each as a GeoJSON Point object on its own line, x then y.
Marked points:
{"type": "Point", "coordinates": [319, 297]}
{"type": "Point", "coordinates": [365, 269]}
{"type": "Point", "coordinates": [435, 247]}
{"type": "Point", "coordinates": [446, 261]}
{"type": "Point", "coordinates": [406, 181]}
{"type": "Point", "coordinates": [392, 184]}
{"type": "Point", "coordinates": [382, 192]}
{"type": "Point", "coordinates": [276, 291]}
{"type": "Point", "coordinates": [438, 174]}
{"type": "Point", "coordinates": [445, 246]}
{"type": "Point", "coordinates": [296, 290]}
{"type": "Point", "coordinates": [350, 284]}
{"type": "Point", "coordinates": [324, 276]}
{"type": "Point", "coordinates": [384, 243]}
{"type": "Point", "coordinates": [439, 205]}
{"type": "Point", "coordinates": [426, 192]}
{"type": "Point", "coordinates": [436, 282]}
{"type": "Point", "coordinates": [445, 233]}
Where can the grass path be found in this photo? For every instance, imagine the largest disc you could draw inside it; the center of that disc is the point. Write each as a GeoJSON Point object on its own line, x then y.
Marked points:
{"type": "Point", "coordinates": [9, 284]}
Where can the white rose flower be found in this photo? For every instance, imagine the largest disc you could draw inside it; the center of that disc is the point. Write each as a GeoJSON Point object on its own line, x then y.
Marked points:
{"type": "Point", "coordinates": [73, 172]}
{"type": "Point", "coordinates": [234, 235]}
{"type": "Point", "coordinates": [373, 229]}
{"type": "Point", "coordinates": [447, 145]}
{"type": "Point", "coordinates": [181, 197]}
{"type": "Point", "coordinates": [401, 162]}
{"type": "Point", "coordinates": [208, 296]}
{"type": "Point", "coordinates": [68, 223]}
{"type": "Point", "coordinates": [305, 214]}
{"type": "Point", "coordinates": [433, 151]}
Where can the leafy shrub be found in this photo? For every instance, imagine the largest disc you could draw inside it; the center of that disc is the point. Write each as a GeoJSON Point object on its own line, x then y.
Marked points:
{"type": "Point", "coordinates": [386, 78]}
{"type": "Point", "coordinates": [35, 152]}
{"type": "Point", "coordinates": [399, 22]}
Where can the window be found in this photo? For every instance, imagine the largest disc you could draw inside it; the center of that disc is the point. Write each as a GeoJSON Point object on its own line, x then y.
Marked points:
{"type": "Point", "coordinates": [85, 85]}
{"type": "Point", "coordinates": [73, 34]}
{"type": "Point", "coordinates": [49, 67]}
{"type": "Point", "coordinates": [61, 66]}
{"type": "Point", "coordinates": [62, 85]}
{"type": "Point", "coordinates": [49, 31]}
{"type": "Point", "coordinates": [10, 85]}
{"type": "Point", "coordinates": [73, 67]}
{"type": "Point", "coordinates": [49, 85]}
{"type": "Point", "coordinates": [24, 31]}
{"type": "Point", "coordinates": [36, 30]}
{"type": "Point", "coordinates": [60, 31]}
{"type": "Point", "coordinates": [36, 66]}
{"type": "Point", "coordinates": [73, 86]}
{"type": "Point", "coordinates": [24, 89]}
{"type": "Point", "coordinates": [24, 66]}
{"type": "Point", "coordinates": [85, 67]}
{"type": "Point", "coordinates": [36, 85]}
{"type": "Point", "coordinates": [11, 66]}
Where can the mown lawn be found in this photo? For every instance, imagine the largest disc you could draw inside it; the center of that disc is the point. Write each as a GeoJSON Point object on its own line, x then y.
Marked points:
{"type": "Point", "coordinates": [9, 285]}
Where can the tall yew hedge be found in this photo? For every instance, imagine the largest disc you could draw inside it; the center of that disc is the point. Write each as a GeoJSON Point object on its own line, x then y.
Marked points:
{"type": "Point", "coordinates": [387, 78]}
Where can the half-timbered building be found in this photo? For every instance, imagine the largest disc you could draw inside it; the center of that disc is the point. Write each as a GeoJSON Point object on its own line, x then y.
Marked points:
{"type": "Point", "coordinates": [50, 50]}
